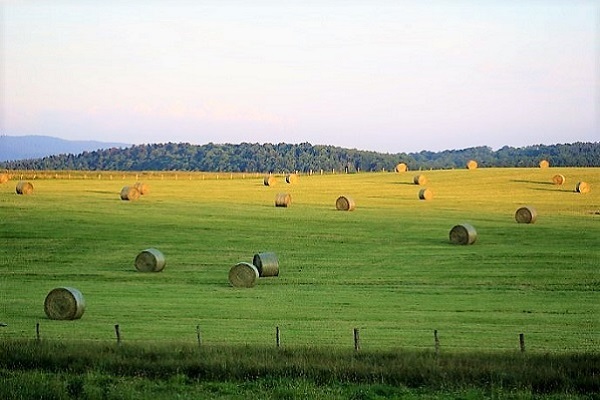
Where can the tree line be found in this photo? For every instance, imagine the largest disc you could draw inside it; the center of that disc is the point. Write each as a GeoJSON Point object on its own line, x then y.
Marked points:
{"type": "Point", "coordinates": [303, 157]}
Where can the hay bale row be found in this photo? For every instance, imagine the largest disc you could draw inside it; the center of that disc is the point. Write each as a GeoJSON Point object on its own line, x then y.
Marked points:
{"type": "Point", "coordinates": [67, 303]}
{"type": "Point", "coordinates": [465, 234]}
{"type": "Point", "coordinates": [246, 275]}
{"type": "Point", "coordinates": [345, 203]}
{"type": "Point", "coordinates": [4, 177]}
{"type": "Point", "coordinates": [150, 260]}
{"type": "Point", "coordinates": [24, 188]}
{"type": "Point", "coordinates": [64, 303]}
{"type": "Point", "coordinates": [581, 187]}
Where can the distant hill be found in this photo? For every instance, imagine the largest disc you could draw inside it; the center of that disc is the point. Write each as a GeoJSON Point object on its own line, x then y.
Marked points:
{"type": "Point", "coordinates": [14, 148]}
{"type": "Point", "coordinates": [303, 157]}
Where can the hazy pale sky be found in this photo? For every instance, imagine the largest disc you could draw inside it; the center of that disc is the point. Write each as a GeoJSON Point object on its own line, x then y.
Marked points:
{"type": "Point", "coordinates": [391, 76]}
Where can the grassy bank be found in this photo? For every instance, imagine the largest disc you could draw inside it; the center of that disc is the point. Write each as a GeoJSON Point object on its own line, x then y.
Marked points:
{"type": "Point", "coordinates": [84, 369]}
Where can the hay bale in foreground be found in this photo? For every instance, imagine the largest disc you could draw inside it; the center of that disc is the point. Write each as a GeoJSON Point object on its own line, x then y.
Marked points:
{"type": "Point", "coordinates": [345, 203]}
{"type": "Point", "coordinates": [266, 263]}
{"type": "Point", "coordinates": [472, 164]}
{"type": "Point", "coordinates": [583, 187]}
{"type": "Point", "coordinates": [291, 178]}
{"type": "Point", "coordinates": [558, 179]}
{"type": "Point", "coordinates": [24, 187]}
{"type": "Point", "coordinates": [64, 303]}
{"type": "Point", "coordinates": [401, 167]}
{"type": "Point", "coordinates": [269, 180]}
{"type": "Point", "coordinates": [150, 260]}
{"type": "Point", "coordinates": [544, 164]}
{"type": "Point", "coordinates": [425, 194]}
{"type": "Point", "coordinates": [463, 234]}
{"type": "Point", "coordinates": [143, 188]}
{"type": "Point", "coordinates": [283, 200]}
{"type": "Point", "coordinates": [130, 193]}
{"type": "Point", "coordinates": [420, 180]}
{"type": "Point", "coordinates": [526, 215]}
{"type": "Point", "coordinates": [243, 274]}
{"type": "Point", "coordinates": [4, 178]}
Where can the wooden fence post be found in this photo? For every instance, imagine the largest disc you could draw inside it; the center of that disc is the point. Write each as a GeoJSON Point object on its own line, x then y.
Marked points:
{"type": "Point", "coordinates": [198, 336]}
{"type": "Point", "coordinates": [522, 342]}
{"type": "Point", "coordinates": [37, 331]}
{"type": "Point", "coordinates": [118, 333]}
{"type": "Point", "coordinates": [437, 342]}
{"type": "Point", "coordinates": [277, 336]}
{"type": "Point", "coordinates": [356, 339]}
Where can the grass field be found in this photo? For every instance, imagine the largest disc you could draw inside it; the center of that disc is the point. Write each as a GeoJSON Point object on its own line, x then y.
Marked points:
{"type": "Point", "coordinates": [386, 268]}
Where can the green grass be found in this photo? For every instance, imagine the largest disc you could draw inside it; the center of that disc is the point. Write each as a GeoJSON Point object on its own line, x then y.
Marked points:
{"type": "Point", "coordinates": [386, 268]}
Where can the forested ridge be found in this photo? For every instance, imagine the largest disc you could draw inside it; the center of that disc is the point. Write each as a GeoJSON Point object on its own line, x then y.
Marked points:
{"type": "Point", "coordinates": [304, 157]}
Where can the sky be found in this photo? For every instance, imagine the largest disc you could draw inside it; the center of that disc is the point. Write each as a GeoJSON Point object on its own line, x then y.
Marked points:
{"type": "Point", "coordinates": [381, 75]}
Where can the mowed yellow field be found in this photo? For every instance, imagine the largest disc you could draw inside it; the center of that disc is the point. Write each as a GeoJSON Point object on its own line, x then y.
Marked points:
{"type": "Point", "coordinates": [387, 267]}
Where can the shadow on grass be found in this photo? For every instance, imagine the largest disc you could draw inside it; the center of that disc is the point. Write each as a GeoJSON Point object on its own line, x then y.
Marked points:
{"type": "Point", "coordinates": [555, 190]}
{"type": "Point", "coordinates": [111, 192]}
{"type": "Point", "coordinates": [405, 183]}
{"type": "Point", "coordinates": [536, 182]}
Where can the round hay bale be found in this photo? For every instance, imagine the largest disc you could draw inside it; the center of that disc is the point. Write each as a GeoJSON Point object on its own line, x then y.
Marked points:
{"type": "Point", "coordinates": [425, 194]}
{"type": "Point", "coordinates": [401, 167]}
{"type": "Point", "coordinates": [267, 264]}
{"type": "Point", "coordinates": [291, 178]}
{"type": "Point", "coordinates": [583, 187]}
{"type": "Point", "coordinates": [558, 179]}
{"type": "Point", "coordinates": [243, 274]}
{"type": "Point", "coordinates": [24, 187]}
{"type": "Point", "coordinates": [269, 180]}
{"type": "Point", "coordinates": [420, 180]}
{"type": "Point", "coordinates": [130, 193]}
{"type": "Point", "coordinates": [143, 188]}
{"type": "Point", "coordinates": [544, 164]}
{"type": "Point", "coordinates": [472, 164]}
{"type": "Point", "coordinates": [64, 303]}
{"type": "Point", "coordinates": [150, 260]}
{"type": "Point", "coordinates": [283, 200]}
{"type": "Point", "coordinates": [526, 215]}
{"type": "Point", "coordinates": [463, 234]}
{"type": "Point", "coordinates": [345, 203]}
{"type": "Point", "coordinates": [4, 178]}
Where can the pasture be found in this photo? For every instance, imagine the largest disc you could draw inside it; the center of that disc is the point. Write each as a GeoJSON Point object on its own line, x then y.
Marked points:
{"type": "Point", "coordinates": [386, 268]}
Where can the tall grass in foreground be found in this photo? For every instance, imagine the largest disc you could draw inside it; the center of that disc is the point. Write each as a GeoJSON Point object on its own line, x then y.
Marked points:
{"type": "Point", "coordinates": [534, 374]}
